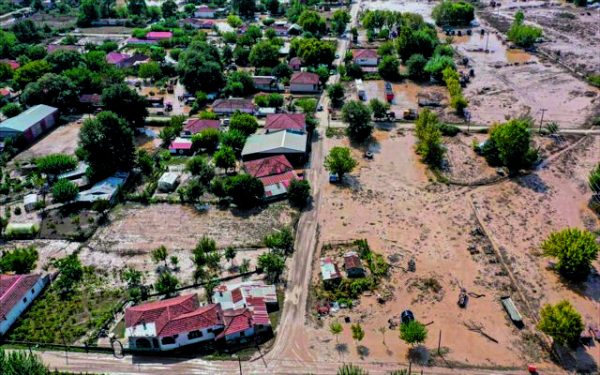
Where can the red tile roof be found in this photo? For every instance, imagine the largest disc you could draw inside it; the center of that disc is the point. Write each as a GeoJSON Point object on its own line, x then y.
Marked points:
{"type": "Point", "coordinates": [13, 63]}
{"type": "Point", "coordinates": [157, 35]}
{"type": "Point", "coordinates": [272, 165]}
{"type": "Point", "coordinates": [233, 104]}
{"type": "Point", "coordinates": [304, 78]}
{"type": "Point", "coordinates": [284, 178]}
{"type": "Point", "coordinates": [295, 61]}
{"type": "Point", "coordinates": [175, 315]}
{"type": "Point", "coordinates": [364, 53]}
{"type": "Point", "coordinates": [116, 57]}
{"type": "Point", "coordinates": [242, 319]}
{"type": "Point", "coordinates": [12, 289]}
{"type": "Point", "coordinates": [286, 121]}
{"type": "Point", "coordinates": [236, 295]}
{"type": "Point", "coordinates": [196, 125]}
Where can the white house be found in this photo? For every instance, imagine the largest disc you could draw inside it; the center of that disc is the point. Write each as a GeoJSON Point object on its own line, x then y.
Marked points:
{"type": "Point", "coordinates": [365, 57]}
{"type": "Point", "coordinates": [16, 294]}
{"type": "Point", "coordinates": [236, 296]}
{"type": "Point", "coordinates": [172, 323]}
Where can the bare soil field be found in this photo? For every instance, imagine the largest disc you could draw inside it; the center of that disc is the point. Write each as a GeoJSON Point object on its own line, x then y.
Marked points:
{"type": "Point", "coordinates": [139, 229]}
{"type": "Point", "coordinates": [392, 202]}
{"type": "Point", "coordinates": [64, 140]}
{"type": "Point", "coordinates": [406, 94]}
{"type": "Point", "coordinates": [48, 250]}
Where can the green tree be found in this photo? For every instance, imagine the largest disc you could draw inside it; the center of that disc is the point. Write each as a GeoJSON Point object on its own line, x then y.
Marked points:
{"type": "Point", "coordinates": [55, 163]}
{"type": "Point", "coordinates": [339, 161]}
{"type": "Point", "coordinates": [453, 13]}
{"type": "Point", "coordinates": [420, 40]}
{"type": "Point", "coordinates": [70, 271]}
{"type": "Point", "coordinates": [244, 8]}
{"type": "Point", "coordinates": [166, 283]}
{"type": "Point", "coordinates": [594, 179]}
{"type": "Point", "coordinates": [245, 190]}
{"type": "Point", "coordinates": [336, 328]}
{"type": "Point", "coordinates": [225, 158]}
{"type": "Point", "coordinates": [312, 22]}
{"type": "Point", "coordinates": [126, 103]}
{"type": "Point", "coordinates": [388, 68]}
{"type": "Point", "coordinates": [169, 9]}
{"type": "Point", "coordinates": [244, 123]}
{"type": "Point", "coordinates": [199, 166]}
{"type": "Point", "coordinates": [575, 250]}
{"type": "Point", "coordinates": [207, 139]}
{"type": "Point", "coordinates": [416, 67]}
{"type": "Point", "coordinates": [281, 240]}
{"type": "Point", "coordinates": [137, 7]}
{"type": "Point", "coordinates": [413, 332]}
{"type": "Point", "coordinates": [64, 60]}
{"type": "Point", "coordinates": [264, 53]}
{"type": "Point", "coordinates": [272, 264]}
{"type": "Point", "coordinates": [234, 21]}
{"type": "Point", "coordinates": [387, 49]}
{"type": "Point", "coordinates": [339, 20]}
{"type": "Point", "coordinates": [150, 70]}
{"type": "Point", "coordinates": [17, 362]}
{"type": "Point", "coordinates": [31, 72]}
{"type": "Point", "coordinates": [299, 193]}
{"type": "Point", "coordinates": [64, 191]}
{"type": "Point", "coordinates": [561, 322]}
{"type": "Point", "coordinates": [510, 143]}
{"type": "Point", "coordinates": [358, 117]}
{"type": "Point", "coordinates": [106, 143]}
{"type": "Point", "coordinates": [336, 94]}
{"type": "Point", "coordinates": [11, 110]}
{"type": "Point", "coordinates": [235, 140]}
{"type": "Point", "coordinates": [200, 68]}
{"type": "Point", "coordinates": [160, 254]}
{"type": "Point", "coordinates": [313, 52]}
{"type": "Point", "coordinates": [192, 191]}
{"type": "Point", "coordinates": [51, 89]}
{"type": "Point", "coordinates": [88, 12]}
{"type": "Point", "coordinates": [523, 35]}
{"type": "Point", "coordinates": [28, 31]}
{"type": "Point", "coordinates": [429, 138]}
{"type": "Point", "coordinates": [436, 66]}
{"type": "Point", "coordinates": [379, 108]}
{"type": "Point", "coordinates": [230, 253]}
{"type": "Point", "coordinates": [19, 260]}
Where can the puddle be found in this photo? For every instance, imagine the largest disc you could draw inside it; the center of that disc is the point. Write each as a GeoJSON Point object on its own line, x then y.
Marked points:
{"type": "Point", "coordinates": [474, 46]}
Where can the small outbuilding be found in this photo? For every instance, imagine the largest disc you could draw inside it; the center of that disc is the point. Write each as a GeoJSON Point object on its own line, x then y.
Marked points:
{"type": "Point", "coordinates": [168, 182]}
{"type": "Point", "coordinates": [353, 265]}
{"type": "Point", "coordinates": [30, 201]}
{"type": "Point", "coordinates": [329, 271]}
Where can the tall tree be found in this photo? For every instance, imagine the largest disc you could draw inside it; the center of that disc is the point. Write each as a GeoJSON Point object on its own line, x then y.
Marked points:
{"type": "Point", "coordinates": [88, 12]}
{"type": "Point", "coordinates": [244, 8]}
{"type": "Point", "coordinates": [137, 7]}
{"type": "Point", "coordinates": [339, 161]}
{"type": "Point", "coordinates": [106, 143]}
{"type": "Point", "coordinates": [245, 190]}
{"type": "Point", "coordinates": [358, 117]}
{"type": "Point", "coordinates": [51, 89]}
{"type": "Point", "coordinates": [160, 254]}
{"type": "Point", "coordinates": [125, 102]}
{"type": "Point", "coordinates": [169, 9]}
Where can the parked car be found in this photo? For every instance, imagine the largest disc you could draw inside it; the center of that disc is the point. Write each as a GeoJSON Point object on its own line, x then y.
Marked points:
{"type": "Point", "coordinates": [407, 316]}
{"type": "Point", "coordinates": [334, 178]}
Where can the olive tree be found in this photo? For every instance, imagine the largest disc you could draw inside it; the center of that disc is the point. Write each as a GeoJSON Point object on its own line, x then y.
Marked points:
{"type": "Point", "coordinates": [575, 250]}
{"type": "Point", "coordinates": [561, 322]}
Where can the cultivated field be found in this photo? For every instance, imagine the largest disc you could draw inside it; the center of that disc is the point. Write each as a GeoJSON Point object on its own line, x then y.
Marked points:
{"type": "Point", "coordinates": [393, 202]}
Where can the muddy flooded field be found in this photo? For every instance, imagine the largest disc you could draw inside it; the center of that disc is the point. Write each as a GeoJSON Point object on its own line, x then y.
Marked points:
{"type": "Point", "coordinates": [394, 203]}
{"type": "Point", "coordinates": [510, 82]}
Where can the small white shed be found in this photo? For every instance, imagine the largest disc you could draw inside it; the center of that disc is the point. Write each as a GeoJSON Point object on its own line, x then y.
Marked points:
{"type": "Point", "coordinates": [168, 182]}
{"type": "Point", "coordinates": [30, 201]}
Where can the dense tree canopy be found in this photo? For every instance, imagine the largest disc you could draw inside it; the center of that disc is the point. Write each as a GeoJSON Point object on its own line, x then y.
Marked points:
{"type": "Point", "coordinates": [453, 13]}
{"type": "Point", "coordinates": [312, 22]}
{"type": "Point", "coordinates": [19, 260]}
{"type": "Point", "coordinates": [313, 52]}
{"type": "Point", "coordinates": [264, 53]}
{"type": "Point", "coordinates": [126, 103]}
{"type": "Point", "coordinates": [106, 143]}
{"type": "Point", "coordinates": [245, 190]}
{"type": "Point", "coordinates": [358, 117]}
{"type": "Point", "coordinates": [53, 90]}
{"type": "Point", "coordinates": [200, 67]}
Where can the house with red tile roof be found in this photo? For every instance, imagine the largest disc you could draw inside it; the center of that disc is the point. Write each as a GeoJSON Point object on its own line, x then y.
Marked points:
{"type": "Point", "coordinates": [365, 57]}
{"type": "Point", "coordinates": [294, 122]}
{"type": "Point", "coordinates": [203, 11]}
{"type": "Point", "coordinates": [238, 295]}
{"type": "Point", "coordinates": [242, 325]}
{"type": "Point", "coordinates": [275, 172]}
{"type": "Point", "coordinates": [17, 292]}
{"type": "Point", "coordinates": [196, 125]}
{"type": "Point", "coordinates": [171, 323]}
{"type": "Point", "coordinates": [159, 35]}
{"type": "Point", "coordinates": [198, 23]}
{"type": "Point", "coordinates": [181, 146]}
{"type": "Point", "coordinates": [304, 82]}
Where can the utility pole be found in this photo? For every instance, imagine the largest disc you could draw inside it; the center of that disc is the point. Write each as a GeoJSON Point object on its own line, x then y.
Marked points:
{"type": "Point", "coordinates": [439, 342]}
{"type": "Point", "coordinates": [542, 120]}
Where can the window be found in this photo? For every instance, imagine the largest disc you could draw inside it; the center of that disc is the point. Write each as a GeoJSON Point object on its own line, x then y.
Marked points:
{"type": "Point", "coordinates": [25, 300]}
{"type": "Point", "coordinates": [167, 340]}
{"type": "Point", "coordinates": [194, 335]}
{"type": "Point", "coordinates": [32, 291]}
{"type": "Point", "coordinates": [242, 334]}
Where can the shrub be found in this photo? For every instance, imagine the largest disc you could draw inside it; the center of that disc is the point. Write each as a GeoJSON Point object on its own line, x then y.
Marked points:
{"type": "Point", "coordinates": [299, 193]}
{"type": "Point", "coordinates": [19, 260]}
{"type": "Point", "coordinates": [510, 145]}
{"type": "Point", "coordinates": [64, 191]}
{"type": "Point", "coordinates": [416, 67]}
{"type": "Point", "coordinates": [413, 332]}
{"type": "Point", "coordinates": [55, 163]}
{"type": "Point", "coordinates": [11, 110]}
{"type": "Point", "coordinates": [457, 100]}
{"type": "Point", "coordinates": [594, 179]}
{"type": "Point", "coordinates": [523, 35]}
{"type": "Point", "coordinates": [436, 66]}
{"type": "Point", "coordinates": [245, 190]}
{"type": "Point", "coordinates": [575, 250]}
{"type": "Point", "coordinates": [561, 322]}
{"type": "Point", "coordinates": [449, 130]}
